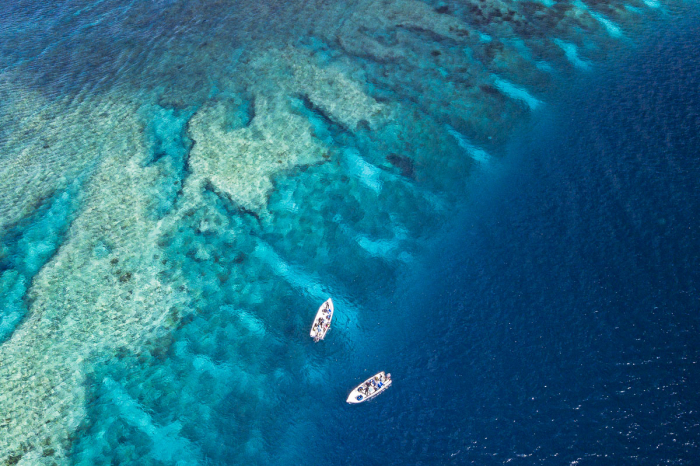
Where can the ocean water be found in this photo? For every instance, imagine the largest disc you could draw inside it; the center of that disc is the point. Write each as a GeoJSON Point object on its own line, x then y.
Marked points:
{"type": "Point", "coordinates": [500, 197]}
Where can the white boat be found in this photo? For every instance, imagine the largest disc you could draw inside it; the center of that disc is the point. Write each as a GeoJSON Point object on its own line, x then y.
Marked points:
{"type": "Point", "coordinates": [322, 321]}
{"type": "Point", "coordinates": [370, 388]}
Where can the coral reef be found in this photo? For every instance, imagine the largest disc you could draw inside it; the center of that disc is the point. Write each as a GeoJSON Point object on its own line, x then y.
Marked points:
{"type": "Point", "coordinates": [99, 292]}
{"type": "Point", "coordinates": [158, 222]}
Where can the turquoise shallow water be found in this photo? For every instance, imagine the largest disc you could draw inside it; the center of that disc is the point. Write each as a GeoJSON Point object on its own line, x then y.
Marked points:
{"type": "Point", "coordinates": [184, 183]}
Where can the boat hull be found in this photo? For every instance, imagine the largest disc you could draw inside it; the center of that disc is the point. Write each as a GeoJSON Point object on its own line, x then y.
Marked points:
{"type": "Point", "coordinates": [382, 382]}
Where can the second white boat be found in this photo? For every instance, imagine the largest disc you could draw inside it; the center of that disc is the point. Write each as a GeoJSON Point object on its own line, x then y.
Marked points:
{"type": "Point", "coordinates": [370, 388]}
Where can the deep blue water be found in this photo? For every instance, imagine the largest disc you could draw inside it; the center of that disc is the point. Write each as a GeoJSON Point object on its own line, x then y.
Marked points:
{"type": "Point", "coordinates": [558, 322]}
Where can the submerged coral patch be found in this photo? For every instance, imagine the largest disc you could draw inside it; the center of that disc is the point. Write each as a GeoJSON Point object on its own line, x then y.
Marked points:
{"type": "Point", "coordinates": [403, 163]}
{"type": "Point", "coordinates": [239, 163]}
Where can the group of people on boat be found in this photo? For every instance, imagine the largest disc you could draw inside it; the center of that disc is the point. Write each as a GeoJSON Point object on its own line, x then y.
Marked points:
{"type": "Point", "coordinates": [374, 384]}
{"type": "Point", "coordinates": [323, 323]}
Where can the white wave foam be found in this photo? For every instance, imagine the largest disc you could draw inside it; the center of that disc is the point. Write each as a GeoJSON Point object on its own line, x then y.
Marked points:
{"type": "Point", "coordinates": [612, 28]}
{"type": "Point", "coordinates": [517, 93]}
{"type": "Point", "coordinates": [365, 172]}
{"type": "Point", "coordinates": [571, 53]}
{"type": "Point", "coordinates": [477, 153]}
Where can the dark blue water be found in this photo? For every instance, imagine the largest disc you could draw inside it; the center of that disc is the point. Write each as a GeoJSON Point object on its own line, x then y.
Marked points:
{"type": "Point", "coordinates": [558, 323]}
